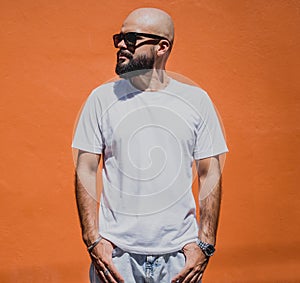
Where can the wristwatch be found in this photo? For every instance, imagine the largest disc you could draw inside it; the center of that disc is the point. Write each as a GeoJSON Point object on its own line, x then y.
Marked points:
{"type": "Point", "coordinates": [206, 248]}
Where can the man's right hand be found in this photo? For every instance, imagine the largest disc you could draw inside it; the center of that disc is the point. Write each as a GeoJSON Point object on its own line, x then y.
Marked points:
{"type": "Point", "coordinates": [101, 256]}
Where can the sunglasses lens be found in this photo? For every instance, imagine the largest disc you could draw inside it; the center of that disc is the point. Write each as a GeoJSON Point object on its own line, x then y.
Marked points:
{"type": "Point", "coordinates": [130, 39]}
{"type": "Point", "coordinates": [117, 38]}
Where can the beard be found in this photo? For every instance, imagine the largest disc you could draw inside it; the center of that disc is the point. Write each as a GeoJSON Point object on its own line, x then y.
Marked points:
{"type": "Point", "coordinates": [134, 67]}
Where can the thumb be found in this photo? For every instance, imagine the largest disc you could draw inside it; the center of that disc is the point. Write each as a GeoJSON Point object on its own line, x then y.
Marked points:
{"type": "Point", "coordinates": [182, 274]}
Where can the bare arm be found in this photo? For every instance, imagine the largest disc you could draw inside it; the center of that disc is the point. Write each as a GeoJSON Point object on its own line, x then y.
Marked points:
{"type": "Point", "coordinates": [87, 204]}
{"type": "Point", "coordinates": [86, 195]}
{"type": "Point", "coordinates": [209, 177]}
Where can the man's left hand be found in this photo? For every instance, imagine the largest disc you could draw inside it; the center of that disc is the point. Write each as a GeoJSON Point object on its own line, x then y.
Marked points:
{"type": "Point", "coordinates": [196, 262]}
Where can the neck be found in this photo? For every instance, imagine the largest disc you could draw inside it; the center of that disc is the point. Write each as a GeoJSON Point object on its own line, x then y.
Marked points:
{"type": "Point", "coordinates": [153, 80]}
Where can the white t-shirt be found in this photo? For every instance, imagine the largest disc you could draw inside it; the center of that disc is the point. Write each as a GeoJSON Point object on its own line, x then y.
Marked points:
{"type": "Point", "coordinates": [148, 141]}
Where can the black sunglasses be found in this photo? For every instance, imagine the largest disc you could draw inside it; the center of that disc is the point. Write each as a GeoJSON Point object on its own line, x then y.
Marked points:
{"type": "Point", "coordinates": [130, 38]}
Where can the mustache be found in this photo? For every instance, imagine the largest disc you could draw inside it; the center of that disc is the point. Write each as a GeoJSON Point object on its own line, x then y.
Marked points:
{"type": "Point", "coordinates": [125, 54]}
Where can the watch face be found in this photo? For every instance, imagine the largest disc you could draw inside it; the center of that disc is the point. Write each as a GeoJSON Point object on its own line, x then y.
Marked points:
{"type": "Point", "coordinates": [209, 251]}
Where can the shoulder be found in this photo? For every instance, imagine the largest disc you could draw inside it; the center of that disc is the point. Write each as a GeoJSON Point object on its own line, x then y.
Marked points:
{"type": "Point", "coordinates": [193, 94]}
{"type": "Point", "coordinates": [102, 90]}
{"type": "Point", "coordinates": [188, 90]}
{"type": "Point", "coordinates": [111, 91]}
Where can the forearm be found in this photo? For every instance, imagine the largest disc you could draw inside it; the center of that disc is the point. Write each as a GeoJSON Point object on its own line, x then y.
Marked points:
{"type": "Point", "coordinates": [87, 206]}
{"type": "Point", "coordinates": [210, 189]}
{"type": "Point", "coordinates": [209, 215]}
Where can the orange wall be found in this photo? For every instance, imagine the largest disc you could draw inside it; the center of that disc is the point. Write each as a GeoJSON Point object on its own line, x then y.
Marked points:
{"type": "Point", "coordinates": [245, 53]}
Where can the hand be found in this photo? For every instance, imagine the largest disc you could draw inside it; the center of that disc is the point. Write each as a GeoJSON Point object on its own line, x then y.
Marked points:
{"type": "Point", "coordinates": [101, 256]}
{"type": "Point", "coordinates": [196, 262]}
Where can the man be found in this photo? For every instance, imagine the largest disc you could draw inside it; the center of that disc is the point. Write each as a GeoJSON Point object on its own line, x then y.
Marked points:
{"type": "Point", "coordinates": [148, 128]}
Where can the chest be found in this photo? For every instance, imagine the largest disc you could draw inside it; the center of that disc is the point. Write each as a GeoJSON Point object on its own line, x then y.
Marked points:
{"type": "Point", "coordinates": [145, 122]}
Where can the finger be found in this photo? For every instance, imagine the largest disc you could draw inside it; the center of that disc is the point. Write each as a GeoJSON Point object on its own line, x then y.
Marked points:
{"type": "Point", "coordinates": [107, 269]}
{"type": "Point", "coordinates": [100, 268]}
{"type": "Point", "coordinates": [199, 278]}
{"type": "Point", "coordinates": [195, 278]}
{"type": "Point", "coordinates": [94, 275]}
{"type": "Point", "coordinates": [105, 273]}
{"type": "Point", "coordinates": [114, 273]}
{"type": "Point", "coordinates": [190, 277]}
{"type": "Point", "coordinates": [110, 277]}
{"type": "Point", "coordinates": [102, 276]}
{"type": "Point", "coordinates": [182, 274]}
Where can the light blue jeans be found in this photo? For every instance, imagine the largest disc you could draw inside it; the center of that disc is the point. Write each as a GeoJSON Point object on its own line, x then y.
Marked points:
{"type": "Point", "coordinates": [136, 268]}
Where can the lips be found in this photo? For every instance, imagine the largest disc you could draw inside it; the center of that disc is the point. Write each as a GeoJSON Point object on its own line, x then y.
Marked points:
{"type": "Point", "coordinates": [122, 55]}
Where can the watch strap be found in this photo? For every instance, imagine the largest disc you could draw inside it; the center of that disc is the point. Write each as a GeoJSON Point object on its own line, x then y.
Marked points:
{"type": "Point", "coordinates": [207, 248]}
{"type": "Point", "coordinates": [202, 245]}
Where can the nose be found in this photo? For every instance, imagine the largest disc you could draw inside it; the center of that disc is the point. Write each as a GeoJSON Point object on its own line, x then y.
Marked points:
{"type": "Point", "coordinates": [122, 44]}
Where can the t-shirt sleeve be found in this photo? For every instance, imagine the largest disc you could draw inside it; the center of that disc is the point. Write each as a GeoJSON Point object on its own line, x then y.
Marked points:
{"type": "Point", "coordinates": [210, 140]}
{"type": "Point", "coordinates": [88, 133]}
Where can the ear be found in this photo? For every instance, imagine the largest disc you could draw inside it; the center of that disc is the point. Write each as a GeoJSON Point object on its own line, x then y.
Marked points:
{"type": "Point", "coordinates": [163, 47]}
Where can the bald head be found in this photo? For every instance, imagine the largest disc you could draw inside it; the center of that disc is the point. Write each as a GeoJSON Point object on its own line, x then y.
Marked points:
{"type": "Point", "coordinates": [150, 20]}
